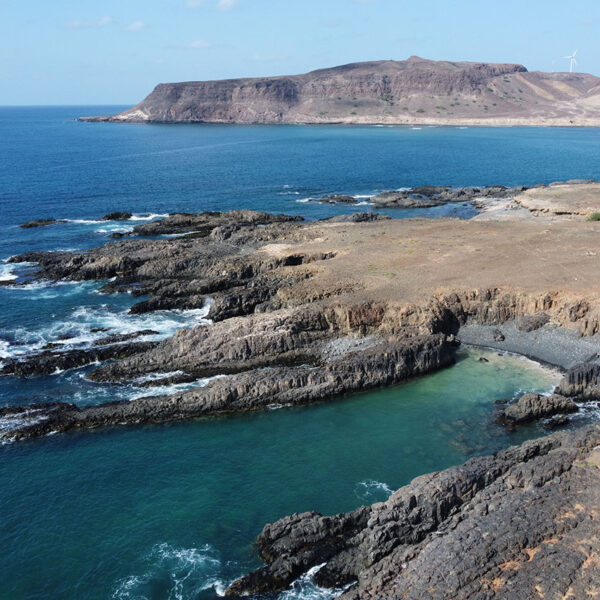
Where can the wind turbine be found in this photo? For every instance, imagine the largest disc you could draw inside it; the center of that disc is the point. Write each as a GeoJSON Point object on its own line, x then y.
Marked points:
{"type": "Point", "coordinates": [572, 59]}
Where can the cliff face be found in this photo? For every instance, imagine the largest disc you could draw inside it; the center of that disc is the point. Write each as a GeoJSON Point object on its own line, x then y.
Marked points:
{"type": "Point", "coordinates": [411, 91]}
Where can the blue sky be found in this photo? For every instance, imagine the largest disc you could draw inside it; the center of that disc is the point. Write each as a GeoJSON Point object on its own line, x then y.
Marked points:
{"type": "Point", "coordinates": [115, 52]}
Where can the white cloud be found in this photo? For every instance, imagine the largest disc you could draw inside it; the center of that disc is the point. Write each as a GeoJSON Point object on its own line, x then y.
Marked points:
{"type": "Point", "coordinates": [136, 26]}
{"type": "Point", "coordinates": [226, 4]}
{"type": "Point", "coordinates": [102, 22]}
{"type": "Point", "coordinates": [194, 3]}
{"type": "Point", "coordinates": [199, 44]}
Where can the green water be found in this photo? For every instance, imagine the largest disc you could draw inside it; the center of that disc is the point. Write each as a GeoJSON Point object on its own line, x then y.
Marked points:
{"type": "Point", "coordinates": [171, 511]}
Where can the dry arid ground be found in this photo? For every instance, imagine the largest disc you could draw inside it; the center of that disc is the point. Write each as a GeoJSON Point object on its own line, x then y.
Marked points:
{"type": "Point", "coordinates": [550, 248]}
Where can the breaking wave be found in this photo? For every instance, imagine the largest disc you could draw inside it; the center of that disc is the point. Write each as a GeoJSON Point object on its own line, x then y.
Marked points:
{"type": "Point", "coordinates": [372, 491]}
{"type": "Point", "coordinates": [87, 325]}
{"type": "Point", "coordinates": [6, 272]}
{"type": "Point", "coordinates": [174, 574]}
{"type": "Point", "coordinates": [305, 588]}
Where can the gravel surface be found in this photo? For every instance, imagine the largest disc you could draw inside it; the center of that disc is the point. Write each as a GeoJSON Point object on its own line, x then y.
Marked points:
{"type": "Point", "coordinates": [549, 344]}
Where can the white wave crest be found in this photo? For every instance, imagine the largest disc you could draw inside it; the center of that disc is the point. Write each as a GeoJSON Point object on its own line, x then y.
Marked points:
{"type": "Point", "coordinates": [86, 325]}
{"type": "Point", "coordinates": [173, 388]}
{"type": "Point", "coordinates": [157, 376]}
{"type": "Point", "coordinates": [372, 491]}
{"type": "Point", "coordinates": [305, 588]}
{"type": "Point", "coordinates": [9, 423]}
{"type": "Point", "coordinates": [85, 221]}
{"type": "Point", "coordinates": [6, 272]}
{"type": "Point", "coordinates": [181, 572]}
{"type": "Point", "coordinates": [148, 216]}
{"type": "Point", "coordinates": [114, 229]}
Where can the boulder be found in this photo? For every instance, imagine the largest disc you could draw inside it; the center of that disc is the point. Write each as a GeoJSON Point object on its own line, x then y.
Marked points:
{"type": "Point", "coordinates": [117, 216]}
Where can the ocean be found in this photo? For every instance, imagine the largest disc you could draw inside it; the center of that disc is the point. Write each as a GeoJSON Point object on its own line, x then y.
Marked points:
{"type": "Point", "coordinates": [171, 511]}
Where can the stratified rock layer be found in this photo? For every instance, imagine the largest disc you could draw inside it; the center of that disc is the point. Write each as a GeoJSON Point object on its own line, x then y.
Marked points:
{"type": "Point", "coordinates": [410, 91]}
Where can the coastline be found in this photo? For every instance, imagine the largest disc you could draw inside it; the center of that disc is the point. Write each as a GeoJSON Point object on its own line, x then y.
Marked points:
{"type": "Point", "coordinates": [489, 122]}
{"type": "Point", "coordinates": [549, 345]}
{"type": "Point", "coordinates": [307, 312]}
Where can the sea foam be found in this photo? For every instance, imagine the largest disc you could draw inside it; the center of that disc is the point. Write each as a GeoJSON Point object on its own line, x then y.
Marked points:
{"type": "Point", "coordinates": [372, 491]}
{"type": "Point", "coordinates": [181, 573]}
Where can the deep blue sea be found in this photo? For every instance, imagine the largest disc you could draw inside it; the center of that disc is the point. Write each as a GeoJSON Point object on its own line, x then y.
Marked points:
{"type": "Point", "coordinates": [171, 511]}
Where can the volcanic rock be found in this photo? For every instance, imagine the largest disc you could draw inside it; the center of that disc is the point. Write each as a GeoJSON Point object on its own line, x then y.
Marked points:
{"type": "Point", "coordinates": [519, 524]}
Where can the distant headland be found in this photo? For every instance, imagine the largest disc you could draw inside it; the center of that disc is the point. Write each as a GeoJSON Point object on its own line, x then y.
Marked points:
{"type": "Point", "coordinates": [408, 92]}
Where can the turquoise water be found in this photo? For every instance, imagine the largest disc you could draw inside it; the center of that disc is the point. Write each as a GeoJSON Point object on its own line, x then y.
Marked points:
{"type": "Point", "coordinates": [171, 511]}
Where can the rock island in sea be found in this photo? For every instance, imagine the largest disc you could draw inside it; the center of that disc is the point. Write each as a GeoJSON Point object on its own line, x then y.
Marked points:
{"type": "Point", "coordinates": [306, 312]}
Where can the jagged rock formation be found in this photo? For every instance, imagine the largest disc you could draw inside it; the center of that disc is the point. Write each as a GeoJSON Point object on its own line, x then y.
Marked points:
{"type": "Point", "coordinates": [531, 407]}
{"type": "Point", "coordinates": [410, 91]}
{"type": "Point", "coordinates": [301, 313]}
{"type": "Point", "coordinates": [520, 524]}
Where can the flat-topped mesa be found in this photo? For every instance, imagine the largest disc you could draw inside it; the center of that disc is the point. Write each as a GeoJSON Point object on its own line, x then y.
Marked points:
{"type": "Point", "coordinates": [409, 91]}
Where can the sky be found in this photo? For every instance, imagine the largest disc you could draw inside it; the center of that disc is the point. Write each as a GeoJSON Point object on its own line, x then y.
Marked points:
{"type": "Point", "coordinates": [116, 51]}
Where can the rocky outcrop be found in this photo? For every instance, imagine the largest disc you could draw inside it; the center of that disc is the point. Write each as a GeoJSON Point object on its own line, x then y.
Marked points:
{"type": "Point", "coordinates": [581, 382]}
{"type": "Point", "coordinates": [117, 216]}
{"type": "Point", "coordinates": [385, 362]}
{"type": "Point", "coordinates": [532, 322]}
{"type": "Point", "coordinates": [41, 223]}
{"type": "Point", "coordinates": [519, 524]}
{"type": "Point", "coordinates": [409, 91]}
{"type": "Point", "coordinates": [49, 362]}
{"type": "Point", "coordinates": [288, 327]}
{"type": "Point", "coordinates": [531, 407]}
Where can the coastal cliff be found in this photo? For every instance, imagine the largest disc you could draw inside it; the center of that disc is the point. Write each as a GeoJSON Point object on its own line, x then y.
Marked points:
{"type": "Point", "coordinates": [395, 92]}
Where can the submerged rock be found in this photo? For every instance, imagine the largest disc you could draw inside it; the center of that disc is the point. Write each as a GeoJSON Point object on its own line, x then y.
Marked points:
{"type": "Point", "coordinates": [338, 198]}
{"type": "Point", "coordinates": [41, 223]}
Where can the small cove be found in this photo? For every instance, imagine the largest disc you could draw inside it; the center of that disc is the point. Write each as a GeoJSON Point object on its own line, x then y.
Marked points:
{"type": "Point", "coordinates": [171, 511]}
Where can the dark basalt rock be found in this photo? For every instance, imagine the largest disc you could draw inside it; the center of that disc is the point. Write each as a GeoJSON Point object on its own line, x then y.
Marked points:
{"type": "Point", "coordinates": [117, 216]}
{"type": "Point", "coordinates": [531, 407]}
{"type": "Point", "coordinates": [556, 422]}
{"type": "Point", "coordinates": [48, 362]}
{"type": "Point", "coordinates": [202, 224]}
{"type": "Point", "coordinates": [384, 363]}
{"type": "Point", "coordinates": [41, 223]}
{"type": "Point", "coordinates": [338, 198]}
{"type": "Point", "coordinates": [532, 322]}
{"type": "Point", "coordinates": [498, 335]}
{"type": "Point", "coordinates": [427, 196]}
{"type": "Point", "coordinates": [404, 200]}
{"type": "Point", "coordinates": [361, 217]}
{"type": "Point", "coordinates": [118, 338]}
{"type": "Point", "coordinates": [582, 382]}
{"type": "Point", "coordinates": [518, 524]}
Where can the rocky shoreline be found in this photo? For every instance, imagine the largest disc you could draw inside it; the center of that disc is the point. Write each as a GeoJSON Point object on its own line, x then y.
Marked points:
{"type": "Point", "coordinates": [278, 336]}
{"type": "Point", "coordinates": [520, 524]}
{"type": "Point", "coordinates": [306, 312]}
